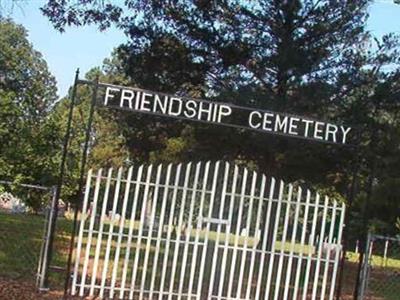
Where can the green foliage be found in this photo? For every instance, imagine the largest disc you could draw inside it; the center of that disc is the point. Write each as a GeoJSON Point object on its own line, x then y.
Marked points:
{"type": "Point", "coordinates": [107, 145]}
{"type": "Point", "coordinates": [25, 80]}
{"type": "Point", "coordinates": [398, 224]}
{"type": "Point", "coordinates": [28, 136]}
{"type": "Point", "coordinates": [284, 56]}
{"type": "Point", "coordinates": [312, 58]}
{"type": "Point", "coordinates": [384, 206]}
{"type": "Point", "coordinates": [20, 242]}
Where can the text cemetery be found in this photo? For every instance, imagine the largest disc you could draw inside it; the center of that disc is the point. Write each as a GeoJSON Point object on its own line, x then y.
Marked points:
{"type": "Point", "coordinates": [223, 113]}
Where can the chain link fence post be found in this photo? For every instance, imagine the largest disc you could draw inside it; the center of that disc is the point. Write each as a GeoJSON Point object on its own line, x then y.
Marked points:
{"type": "Point", "coordinates": [364, 269]}
{"type": "Point", "coordinates": [46, 252]}
{"type": "Point", "coordinates": [380, 277]}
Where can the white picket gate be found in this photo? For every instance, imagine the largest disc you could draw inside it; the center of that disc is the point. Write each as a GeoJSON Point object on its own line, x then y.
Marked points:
{"type": "Point", "coordinates": [204, 231]}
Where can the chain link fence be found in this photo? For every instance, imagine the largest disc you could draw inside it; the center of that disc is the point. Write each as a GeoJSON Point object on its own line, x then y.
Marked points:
{"type": "Point", "coordinates": [26, 214]}
{"type": "Point", "coordinates": [380, 277]}
{"type": "Point", "coordinates": [23, 239]}
{"type": "Point", "coordinates": [22, 229]}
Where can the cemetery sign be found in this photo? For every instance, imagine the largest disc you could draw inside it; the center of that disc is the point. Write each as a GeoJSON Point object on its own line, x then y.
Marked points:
{"type": "Point", "coordinates": [161, 104]}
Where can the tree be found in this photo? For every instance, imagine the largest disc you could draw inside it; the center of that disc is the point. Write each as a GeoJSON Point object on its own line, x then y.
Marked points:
{"type": "Point", "coordinates": [312, 58]}
{"type": "Point", "coordinates": [107, 146]}
{"type": "Point", "coordinates": [275, 46]}
{"type": "Point", "coordinates": [28, 138]}
{"type": "Point", "coordinates": [279, 55]}
{"type": "Point", "coordinates": [28, 93]}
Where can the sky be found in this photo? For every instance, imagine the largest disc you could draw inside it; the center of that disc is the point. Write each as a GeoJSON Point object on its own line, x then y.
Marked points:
{"type": "Point", "coordinates": [86, 47]}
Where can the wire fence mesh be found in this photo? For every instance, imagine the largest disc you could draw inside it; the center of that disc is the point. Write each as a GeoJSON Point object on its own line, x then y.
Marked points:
{"type": "Point", "coordinates": [20, 244]}
{"type": "Point", "coordinates": [21, 231]}
{"type": "Point", "coordinates": [24, 225]}
{"type": "Point", "coordinates": [22, 234]}
{"type": "Point", "coordinates": [381, 276]}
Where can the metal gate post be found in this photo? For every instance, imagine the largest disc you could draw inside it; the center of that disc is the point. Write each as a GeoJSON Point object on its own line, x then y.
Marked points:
{"type": "Point", "coordinates": [46, 252]}
{"type": "Point", "coordinates": [363, 280]}
{"type": "Point", "coordinates": [352, 195]}
{"type": "Point", "coordinates": [85, 153]}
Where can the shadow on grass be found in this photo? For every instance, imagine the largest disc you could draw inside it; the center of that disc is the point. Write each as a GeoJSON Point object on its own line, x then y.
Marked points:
{"type": "Point", "coordinates": [21, 238]}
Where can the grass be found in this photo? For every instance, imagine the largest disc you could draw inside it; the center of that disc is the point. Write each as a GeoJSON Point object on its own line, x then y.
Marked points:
{"type": "Point", "coordinates": [21, 238]}
{"type": "Point", "coordinates": [376, 260]}
{"type": "Point", "coordinates": [384, 280]}
{"type": "Point", "coordinates": [222, 237]}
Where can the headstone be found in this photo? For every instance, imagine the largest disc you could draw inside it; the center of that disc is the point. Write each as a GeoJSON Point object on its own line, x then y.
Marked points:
{"type": "Point", "coordinates": [12, 204]}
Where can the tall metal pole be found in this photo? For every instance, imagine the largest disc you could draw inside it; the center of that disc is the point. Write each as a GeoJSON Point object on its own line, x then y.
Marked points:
{"type": "Point", "coordinates": [44, 262]}
{"type": "Point", "coordinates": [365, 215]}
{"type": "Point", "coordinates": [352, 194]}
{"type": "Point", "coordinates": [54, 207]}
{"type": "Point", "coordinates": [363, 281]}
{"type": "Point", "coordinates": [81, 183]}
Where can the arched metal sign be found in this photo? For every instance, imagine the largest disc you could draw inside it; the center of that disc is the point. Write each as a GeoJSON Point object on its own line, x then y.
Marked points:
{"type": "Point", "coordinates": [225, 114]}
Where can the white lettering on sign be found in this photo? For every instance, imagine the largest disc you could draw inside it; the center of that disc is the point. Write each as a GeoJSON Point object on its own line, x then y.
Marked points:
{"type": "Point", "coordinates": [331, 131]}
{"type": "Point", "coordinates": [318, 130]}
{"type": "Point", "coordinates": [307, 124]}
{"type": "Point", "coordinates": [345, 132]}
{"type": "Point", "coordinates": [109, 95]}
{"type": "Point", "coordinates": [267, 122]}
{"type": "Point", "coordinates": [293, 126]}
{"type": "Point", "coordinates": [297, 126]}
{"type": "Point", "coordinates": [214, 112]}
{"type": "Point", "coordinates": [224, 112]}
{"type": "Point", "coordinates": [281, 124]}
{"type": "Point", "coordinates": [173, 106]}
{"type": "Point", "coordinates": [253, 118]}
{"type": "Point", "coordinates": [127, 95]}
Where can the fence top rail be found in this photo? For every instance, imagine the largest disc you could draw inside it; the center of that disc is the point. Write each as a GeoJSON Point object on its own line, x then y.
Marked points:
{"type": "Point", "coordinates": [331, 204]}
{"type": "Point", "coordinates": [33, 186]}
{"type": "Point", "coordinates": [383, 237]}
{"type": "Point", "coordinates": [303, 202]}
